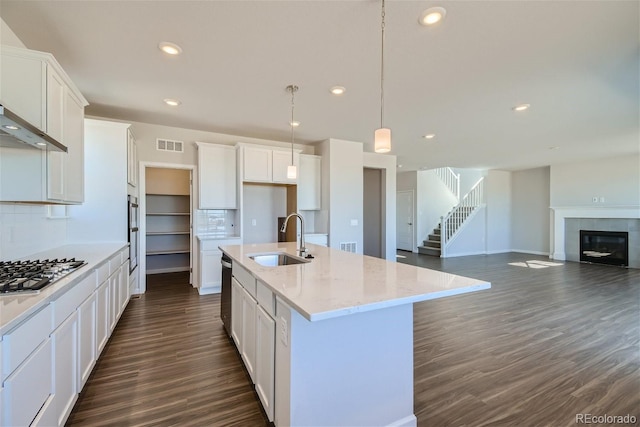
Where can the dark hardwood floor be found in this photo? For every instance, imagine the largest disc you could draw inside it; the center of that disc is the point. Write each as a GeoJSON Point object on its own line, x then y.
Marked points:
{"type": "Point", "coordinates": [548, 341]}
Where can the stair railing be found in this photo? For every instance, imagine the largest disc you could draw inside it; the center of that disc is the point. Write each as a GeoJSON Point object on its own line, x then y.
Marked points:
{"type": "Point", "coordinates": [450, 179]}
{"type": "Point", "coordinates": [452, 222]}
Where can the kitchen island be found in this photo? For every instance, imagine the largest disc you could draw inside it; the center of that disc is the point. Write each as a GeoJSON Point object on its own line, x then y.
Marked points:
{"type": "Point", "coordinates": [330, 341]}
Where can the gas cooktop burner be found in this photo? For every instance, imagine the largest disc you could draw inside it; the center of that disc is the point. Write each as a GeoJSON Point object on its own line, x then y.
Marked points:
{"type": "Point", "coordinates": [32, 276]}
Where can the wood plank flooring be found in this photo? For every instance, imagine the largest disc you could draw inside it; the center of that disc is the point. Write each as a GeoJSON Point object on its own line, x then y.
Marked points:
{"type": "Point", "coordinates": [547, 342]}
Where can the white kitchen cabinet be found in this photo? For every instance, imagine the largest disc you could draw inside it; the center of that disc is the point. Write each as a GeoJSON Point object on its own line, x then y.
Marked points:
{"type": "Point", "coordinates": [281, 160]}
{"type": "Point", "coordinates": [132, 160]}
{"type": "Point", "coordinates": [36, 88]}
{"type": "Point", "coordinates": [248, 346]}
{"type": "Point", "coordinates": [209, 266]}
{"type": "Point", "coordinates": [309, 182]}
{"type": "Point", "coordinates": [265, 360]}
{"type": "Point", "coordinates": [236, 312]}
{"type": "Point", "coordinates": [65, 367]}
{"type": "Point", "coordinates": [103, 299]}
{"type": "Point", "coordinates": [114, 302]}
{"type": "Point", "coordinates": [123, 287]}
{"type": "Point", "coordinates": [257, 164]}
{"type": "Point", "coordinates": [87, 345]}
{"type": "Point", "coordinates": [217, 176]}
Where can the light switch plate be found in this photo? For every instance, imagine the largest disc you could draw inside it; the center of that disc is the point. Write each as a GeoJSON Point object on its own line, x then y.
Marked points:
{"type": "Point", "coordinates": [354, 222]}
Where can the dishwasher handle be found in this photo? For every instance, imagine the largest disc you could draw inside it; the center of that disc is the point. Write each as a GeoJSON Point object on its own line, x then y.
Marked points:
{"type": "Point", "coordinates": [225, 264]}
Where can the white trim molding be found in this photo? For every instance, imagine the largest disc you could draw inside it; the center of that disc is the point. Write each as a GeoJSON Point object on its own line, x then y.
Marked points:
{"type": "Point", "coordinates": [560, 213]}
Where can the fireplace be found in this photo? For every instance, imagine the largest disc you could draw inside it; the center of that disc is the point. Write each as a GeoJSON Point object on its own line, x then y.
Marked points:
{"type": "Point", "coordinates": [604, 247]}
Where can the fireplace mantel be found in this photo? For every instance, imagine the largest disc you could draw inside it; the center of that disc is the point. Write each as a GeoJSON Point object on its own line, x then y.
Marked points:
{"type": "Point", "coordinates": [560, 213]}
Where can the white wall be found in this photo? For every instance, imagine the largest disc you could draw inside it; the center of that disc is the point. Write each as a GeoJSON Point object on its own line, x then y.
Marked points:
{"type": "Point", "coordinates": [530, 215]}
{"type": "Point", "coordinates": [342, 173]}
{"type": "Point", "coordinates": [616, 179]}
{"type": "Point", "coordinates": [263, 204]}
{"type": "Point", "coordinates": [387, 164]}
{"type": "Point", "coordinates": [497, 188]}
{"type": "Point", "coordinates": [473, 239]}
{"type": "Point", "coordinates": [433, 201]}
{"type": "Point", "coordinates": [468, 178]}
{"type": "Point", "coordinates": [8, 37]}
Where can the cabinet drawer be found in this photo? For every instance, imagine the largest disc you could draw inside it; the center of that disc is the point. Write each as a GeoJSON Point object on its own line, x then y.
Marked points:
{"type": "Point", "coordinates": [21, 341]}
{"type": "Point", "coordinates": [124, 255]}
{"type": "Point", "coordinates": [102, 273]}
{"type": "Point", "coordinates": [27, 389]}
{"type": "Point", "coordinates": [266, 299]}
{"type": "Point", "coordinates": [245, 278]}
{"type": "Point", "coordinates": [67, 303]}
{"type": "Point", "coordinates": [114, 263]}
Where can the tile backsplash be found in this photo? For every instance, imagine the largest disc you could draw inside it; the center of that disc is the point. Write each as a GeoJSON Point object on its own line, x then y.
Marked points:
{"type": "Point", "coordinates": [216, 222]}
{"type": "Point", "coordinates": [27, 229]}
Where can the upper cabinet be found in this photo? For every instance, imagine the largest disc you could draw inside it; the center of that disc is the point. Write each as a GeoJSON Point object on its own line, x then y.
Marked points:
{"type": "Point", "coordinates": [309, 182]}
{"type": "Point", "coordinates": [263, 164]}
{"type": "Point", "coordinates": [35, 87]}
{"type": "Point", "coordinates": [217, 179]}
{"type": "Point", "coordinates": [132, 160]}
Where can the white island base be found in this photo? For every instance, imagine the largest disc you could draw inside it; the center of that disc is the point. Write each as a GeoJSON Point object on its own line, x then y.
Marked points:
{"type": "Point", "coordinates": [352, 370]}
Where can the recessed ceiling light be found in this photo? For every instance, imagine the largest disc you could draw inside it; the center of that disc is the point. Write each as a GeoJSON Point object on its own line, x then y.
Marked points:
{"type": "Point", "coordinates": [521, 107]}
{"type": "Point", "coordinates": [429, 136]}
{"type": "Point", "coordinates": [338, 90]}
{"type": "Point", "coordinates": [41, 144]}
{"type": "Point", "coordinates": [399, 166]}
{"type": "Point", "coordinates": [432, 16]}
{"type": "Point", "coordinates": [553, 148]}
{"type": "Point", "coordinates": [11, 127]}
{"type": "Point", "coordinates": [172, 102]}
{"type": "Point", "coordinates": [294, 123]}
{"type": "Point", "coordinates": [170, 48]}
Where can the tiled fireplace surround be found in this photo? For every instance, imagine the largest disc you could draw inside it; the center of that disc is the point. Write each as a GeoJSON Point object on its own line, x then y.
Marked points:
{"type": "Point", "coordinates": [567, 223]}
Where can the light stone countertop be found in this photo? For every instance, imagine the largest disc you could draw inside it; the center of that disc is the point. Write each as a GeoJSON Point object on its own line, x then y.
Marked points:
{"type": "Point", "coordinates": [15, 309]}
{"type": "Point", "coordinates": [337, 283]}
{"type": "Point", "coordinates": [215, 236]}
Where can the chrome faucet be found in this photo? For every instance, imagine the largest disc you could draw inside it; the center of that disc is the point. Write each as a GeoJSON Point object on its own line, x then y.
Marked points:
{"type": "Point", "coordinates": [302, 251]}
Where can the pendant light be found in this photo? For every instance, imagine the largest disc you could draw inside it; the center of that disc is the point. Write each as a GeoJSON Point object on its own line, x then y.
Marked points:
{"type": "Point", "coordinates": [292, 171]}
{"type": "Point", "coordinates": [382, 138]}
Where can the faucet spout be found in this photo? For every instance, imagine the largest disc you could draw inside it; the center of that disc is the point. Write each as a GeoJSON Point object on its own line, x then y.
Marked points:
{"type": "Point", "coordinates": [302, 251]}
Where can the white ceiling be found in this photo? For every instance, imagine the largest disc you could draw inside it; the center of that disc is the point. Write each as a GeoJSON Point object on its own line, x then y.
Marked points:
{"type": "Point", "coordinates": [575, 62]}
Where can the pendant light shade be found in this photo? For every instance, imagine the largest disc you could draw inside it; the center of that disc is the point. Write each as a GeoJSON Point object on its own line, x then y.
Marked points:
{"type": "Point", "coordinates": [382, 140]}
{"type": "Point", "coordinates": [382, 137]}
{"type": "Point", "coordinates": [292, 170]}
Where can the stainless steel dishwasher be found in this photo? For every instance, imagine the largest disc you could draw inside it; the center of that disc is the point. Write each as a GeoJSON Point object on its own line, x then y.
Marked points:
{"type": "Point", "coordinates": [225, 295]}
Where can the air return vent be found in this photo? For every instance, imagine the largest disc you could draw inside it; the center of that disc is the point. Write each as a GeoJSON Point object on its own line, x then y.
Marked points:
{"type": "Point", "coordinates": [348, 246]}
{"type": "Point", "coordinates": [169, 145]}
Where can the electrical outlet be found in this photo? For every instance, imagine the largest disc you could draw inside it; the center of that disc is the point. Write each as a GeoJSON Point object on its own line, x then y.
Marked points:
{"type": "Point", "coordinates": [354, 222]}
{"type": "Point", "coordinates": [594, 200]}
{"type": "Point", "coordinates": [601, 199]}
{"type": "Point", "coordinates": [253, 221]}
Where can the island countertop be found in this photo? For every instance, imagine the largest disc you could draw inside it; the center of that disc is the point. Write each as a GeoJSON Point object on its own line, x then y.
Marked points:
{"type": "Point", "coordinates": [337, 283]}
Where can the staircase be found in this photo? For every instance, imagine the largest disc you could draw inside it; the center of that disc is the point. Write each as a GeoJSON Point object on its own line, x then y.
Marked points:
{"type": "Point", "coordinates": [450, 225]}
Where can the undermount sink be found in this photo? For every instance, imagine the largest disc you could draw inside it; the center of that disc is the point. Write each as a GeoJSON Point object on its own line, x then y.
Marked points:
{"type": "Point", "coordinates": [276, 259]}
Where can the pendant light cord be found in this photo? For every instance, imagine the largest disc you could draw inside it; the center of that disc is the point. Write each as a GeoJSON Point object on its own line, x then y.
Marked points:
{"type": "Point", "coordinates": [382, 72]}
{"type": "Point", "coordinates": [293, 90]}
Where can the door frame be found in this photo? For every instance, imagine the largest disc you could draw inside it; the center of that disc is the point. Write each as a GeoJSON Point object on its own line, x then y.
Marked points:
{"type": "Point", "coordinates": [413, 214]}
{"type": "Point", "coordinates": [142, 221]}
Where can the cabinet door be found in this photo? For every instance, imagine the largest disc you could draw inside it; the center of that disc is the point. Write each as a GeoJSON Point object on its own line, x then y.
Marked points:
{"type": "Point", "coordinates": [257, 164]}
{"type": "Point", "coordinates": [248, 353]}
{"type": "Point", "coordinates": [236, 313]}
{"type": "Point", "coordinates": [87, 346]}
{"type": "Point", "coordinates": [309, 182]}
{"type": "Point", "coordinates": [65, 367]}
{"type": "Point", "coordinates": [217, 176]}
{"type": "Point", "coordinates": [132, 160]}
{"type": "Point", "coordinates": [123, 290]}
{"type": "Point", "coordinates": [73, 174]}
{"type": "Point", "coordinates": [210, 269]}
{"type": "Point", "coordinates": [114, 301]}
{"type": "Point", "coordinates": [102, 315]}
{"type": "Point", "coordinates": [23, 86]}
{"type": "Point", "coordinates": [265, 360]}
{"type": "Point", "coordinates": [56, 93]}
{"type": "Point", "coordinates": [281, 161]}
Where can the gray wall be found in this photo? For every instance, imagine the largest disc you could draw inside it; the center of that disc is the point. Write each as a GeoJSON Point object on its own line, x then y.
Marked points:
{"type": "Point", "coordinates": [372, 212]}
{"type": "Point", "coordinates": [530, 215]}
{"type": "Point", "coordinates": [264, 204]}
{"type": "Point", "coordinates": [497, 189]}
{"type": "Point", "coordinates": [386, 163]}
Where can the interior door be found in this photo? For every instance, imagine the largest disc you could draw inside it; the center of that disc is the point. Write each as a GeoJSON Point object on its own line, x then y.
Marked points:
{"type": "Point", "coordinates": [404, 220]}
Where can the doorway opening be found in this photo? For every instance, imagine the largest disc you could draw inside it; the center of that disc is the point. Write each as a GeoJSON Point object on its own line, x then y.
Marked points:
{"type": "Point", "coordinates": [373, 215]}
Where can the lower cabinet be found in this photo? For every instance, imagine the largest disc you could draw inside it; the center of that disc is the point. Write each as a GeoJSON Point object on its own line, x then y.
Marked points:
{"type": "Point", "coordinates": [248, 346]}
{"type": "Point", "coordinates": [87, 343]}
{"type": "Point", "coordinates": [103, 310]}
{"type": "Point", "coordinates": [253, 329]}
{"type": "Point", "coordinates": [124, 294]}
{"type": "Point", "coordinates": [65, 367]}
{"type": "Point", "coordinates": [265, 360]}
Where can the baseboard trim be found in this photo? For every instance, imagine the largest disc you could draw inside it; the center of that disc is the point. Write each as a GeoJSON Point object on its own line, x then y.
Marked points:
{"type": "Point", "coordinates": [408, 421]}
{"type": "Point", "coordinates": [524, 251]}
{"type": "Point", "coordinates": [208, 291]}
{"type": "Point", "coordinates": [449, 255]}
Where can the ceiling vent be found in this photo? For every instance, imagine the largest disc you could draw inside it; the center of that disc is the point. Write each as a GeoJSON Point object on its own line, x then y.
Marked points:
{"type": "Point", "coordinates": [169, 145]}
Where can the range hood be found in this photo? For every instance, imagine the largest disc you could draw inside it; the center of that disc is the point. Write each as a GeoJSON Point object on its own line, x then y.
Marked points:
{"type": "Point", "coordinates": [17, 132]}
